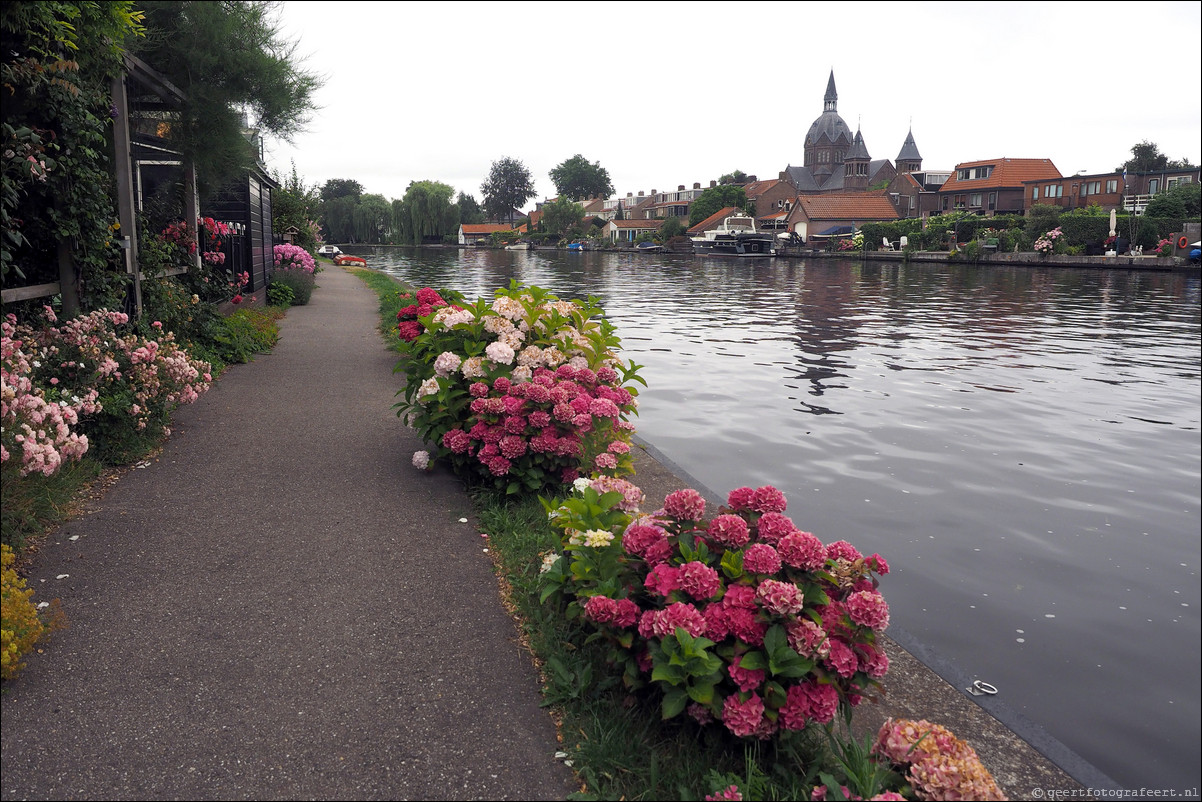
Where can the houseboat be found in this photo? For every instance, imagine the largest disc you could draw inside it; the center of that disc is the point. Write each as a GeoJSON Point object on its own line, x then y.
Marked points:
{"type": "Point", "coordinates": [735, 236]}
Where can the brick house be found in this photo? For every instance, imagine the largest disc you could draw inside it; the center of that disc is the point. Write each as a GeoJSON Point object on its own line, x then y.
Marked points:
{"type": "Point", "coordinates": [993, 186]}
{"type": "Point", "coordinates": [471, 233]}
{"type": "Point", "coordinates": [916, 194]}
{"type": "Point", "coordinates": [815, 214]}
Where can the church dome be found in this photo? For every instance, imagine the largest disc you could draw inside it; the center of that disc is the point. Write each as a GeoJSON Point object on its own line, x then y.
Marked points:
{"type": "Point", "coordinates": [830, 124]}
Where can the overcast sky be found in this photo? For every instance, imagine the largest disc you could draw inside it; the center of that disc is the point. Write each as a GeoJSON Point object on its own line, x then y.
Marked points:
{"type": "Point", "coordinates": [663, 94]}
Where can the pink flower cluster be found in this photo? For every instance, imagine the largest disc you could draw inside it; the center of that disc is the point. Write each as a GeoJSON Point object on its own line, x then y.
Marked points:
{"type": "Point", "coordinates": [793, 595]}
{"type": "Point", "coordinates": [544, 420]}
{"type": "Point", "coordinates": [426, 303]}
{"type": "Point", "coordinates": [293, 257]}
{"type": "Point", "coordinates": [937, 764]}
{"type": "Point", "coordinates": [88, 366]}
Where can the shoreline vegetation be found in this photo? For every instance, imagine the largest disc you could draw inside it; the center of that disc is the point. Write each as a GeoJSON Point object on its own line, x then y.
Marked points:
{"type": "Point", "coordinates": [616, 741]}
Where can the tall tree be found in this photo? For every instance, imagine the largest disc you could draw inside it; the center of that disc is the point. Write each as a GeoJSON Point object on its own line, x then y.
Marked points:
{"type": "Point", "coordinates": [578, 180]}
{"type": "Point", "coordinates": [426, 212]}
{"type": "Point", "coordinates": [1146, 158]}
{"type": "Point", "coordinates": [469, 210]}
{"type": "Point", "coordinates": [737, 177]}
{"type": "Point", "coordinates": [509, 185]}
{"type": "Point", "coordinates": [295, 205]}
{"type": "Point", "coordinates": [562, 214]}
{"type": "Point", "coordinates": [340, 188]}
{"type": "Point", "coordinates": [229, 58]}
{"type": "Point", "coordinates": [371, 218]}
{"type": "Point", "coordinates": [715, 198]}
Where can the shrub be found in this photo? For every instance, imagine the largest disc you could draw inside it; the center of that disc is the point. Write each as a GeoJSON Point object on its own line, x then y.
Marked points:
{"type": "Point", "coordinates": [293, 257]}
{"type": "Point", "coordinates": [743, 620]}
{"type": "Point", "coordinates": [521, 394]}
{"type": "Point", "coordinates": [123, 386]}
{"type": "Point", "coordinates": [247, 332]}
{"type": "Point", "coordinates": [280, 294]}
{"type": "Point", "coordinates": [21, 627]}
{"type": "Point", "coordinates": [299, 281]}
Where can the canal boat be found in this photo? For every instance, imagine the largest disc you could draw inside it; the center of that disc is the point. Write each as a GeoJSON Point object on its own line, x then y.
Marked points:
{"type": "Point", "coordinates": [649, 247]}
{"type": "Point", "coordinates": [736, 235]}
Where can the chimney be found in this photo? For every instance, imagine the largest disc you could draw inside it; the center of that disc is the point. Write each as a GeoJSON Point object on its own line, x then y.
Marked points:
{"type": "Point", "coordinates": [713, 183]}
{"type": "Point", "coordinates": [751, 179]}
{"type": "Point", "coordinates": [631, 194]}
{"type": "Point", "coordinates": [640, 193]}
{"type": "Point", "coordinates": [696, 185]}
{"type": "Point", "coordinates": [680, 188]}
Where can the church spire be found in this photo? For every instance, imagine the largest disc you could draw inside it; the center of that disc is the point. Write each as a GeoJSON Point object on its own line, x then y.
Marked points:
{"type": "Point", "coordinates": [831, 99]}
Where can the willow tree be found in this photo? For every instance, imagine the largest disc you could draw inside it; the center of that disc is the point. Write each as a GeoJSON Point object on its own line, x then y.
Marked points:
{"type": "Point", "coordinates": [371, 218]}
{"type": "Point", "coordinates": [426, 212]}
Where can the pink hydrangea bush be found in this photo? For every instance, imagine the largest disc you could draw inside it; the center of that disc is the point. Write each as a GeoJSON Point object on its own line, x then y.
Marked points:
{"type": "Point", "coordinates": [524, 392]}
{"type": "Point", "coordinates": [119, 386]}
{"type": "Point", "coordinates": [293, 257]}
{"type": "Point", "coordinates": [741, 619]}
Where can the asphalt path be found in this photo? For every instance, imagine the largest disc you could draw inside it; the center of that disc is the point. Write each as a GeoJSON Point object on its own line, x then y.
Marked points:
{"type": "Point", "coordinates": [279, 606]}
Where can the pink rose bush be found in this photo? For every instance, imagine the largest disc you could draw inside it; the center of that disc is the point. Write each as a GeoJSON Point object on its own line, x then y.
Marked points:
{"type": "Point", "coordinates": [89, 381]}
{"type": "Point", "coordinates": [523, 392]}
{"type": "Point", "coordinates": [741, 619]}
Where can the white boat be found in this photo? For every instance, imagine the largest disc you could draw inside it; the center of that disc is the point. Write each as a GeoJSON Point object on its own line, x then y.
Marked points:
{"type": "Point", "coordinates": [735, 236]}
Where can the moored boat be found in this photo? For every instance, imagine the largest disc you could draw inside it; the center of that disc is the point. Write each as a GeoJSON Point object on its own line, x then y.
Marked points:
{"type": "Point", "coordinates": [347, 259]}
{"type": "Point", "coordinates": [735, 236]}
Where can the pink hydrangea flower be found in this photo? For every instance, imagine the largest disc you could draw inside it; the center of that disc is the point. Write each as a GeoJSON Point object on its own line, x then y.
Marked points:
{"type": "Point", "coordinates": [699, 580]}
{"type": "Point", "coordinates": [627, 613]}
{"type": "Point", "coordinates": [685, 505]}
{"type": "Point", "coordinates": [729, 530]}
{"type": "Point", "coordinates": [877, 563]}
{"type": "Point", "coordinates": [802, 550]}
{"type": "Point", "coordinates": [772, 526]}
{"type": "Point", "coordinates": [663, 579]}
{"type": "Point", "coordinates": [740, 596]}
{"type": "Point", "coordinates": [760, 558]}
{"type": "Point", "coordinates": [842, 659]}
{"type": "Point", "coordinates": [768, 499]}
{"type": "Point", "coordinates": [740, 499]}
{"type": "Point", "coordinates": [742, 718]}
{"type": "Point", "coordinates": [841, 549]}
{"type": "Point", "coordinates": [781, 598]}
{"type": "Point", "coordinates": [639, 537]}
{"type": "Point", "coordinates": [681, 615]}
{"type": "Point", "coordinates": [748, 679]}
{"type": "Point", "coordinates": [868, 608]}
{"type": "Point", "coordinates": [601, 609]}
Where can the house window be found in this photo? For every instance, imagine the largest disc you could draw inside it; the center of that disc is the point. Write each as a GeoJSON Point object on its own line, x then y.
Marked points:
{"type": "Point", "coordinates": [973, 173]}
{"type": "Point", "coordinates": [1153, 186]}
{"type": "Point", "coordinates": [1034, 193]}
{"type": "Point", "coordinates": [1172, 182]}
{"type": "Point", "coordinates": [959, 201]}
{"type": "Point", "coordinates": [1091, 188]}
{"type": "Point", "coordinates": [1112, 186]}
{"type": "Point", "coordinates": [974, 200]}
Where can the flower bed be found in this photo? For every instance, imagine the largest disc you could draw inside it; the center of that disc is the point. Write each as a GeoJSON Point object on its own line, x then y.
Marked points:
{"type": "Point", "coordinates": [742, 619]}
{"type": "Point", "coordinates": [522, 393]}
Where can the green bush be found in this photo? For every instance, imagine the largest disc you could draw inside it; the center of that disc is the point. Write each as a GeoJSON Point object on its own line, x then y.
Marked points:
{"type": "Point", "coordinates": [245, 333]}
{"type": "Point", "coordinates": [279, 294]}
{"type": "Point", "coordinates": [300, 282]}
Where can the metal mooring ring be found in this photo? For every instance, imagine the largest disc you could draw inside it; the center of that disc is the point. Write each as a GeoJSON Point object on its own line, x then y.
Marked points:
{"type": "Point", "coordinates": [981, 688]}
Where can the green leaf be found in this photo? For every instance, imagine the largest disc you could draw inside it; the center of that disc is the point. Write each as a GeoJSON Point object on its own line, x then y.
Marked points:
{"type": "Point", "coordinates": [674, 703]}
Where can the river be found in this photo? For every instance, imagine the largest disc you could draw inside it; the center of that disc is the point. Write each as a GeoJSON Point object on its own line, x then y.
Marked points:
{"type": "Point", "coordinates": [1022, 444]}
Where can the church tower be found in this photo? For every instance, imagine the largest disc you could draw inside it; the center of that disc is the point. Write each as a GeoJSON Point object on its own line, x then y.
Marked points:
{"type": "Point", "coordinates": [829, 138]}
{"type": "Point", "coordinates": [909, 160]}
{"type": "Point", "coordinates": [855, 165]}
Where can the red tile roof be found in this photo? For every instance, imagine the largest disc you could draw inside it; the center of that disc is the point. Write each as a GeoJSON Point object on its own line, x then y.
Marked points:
{"type": "Point", "coordinates": [757, 188]}
{"type": "Point", "coordinates": [714, 219]}
{"type": "Point", "coordinates": [851, 206]}
{"type": "Point", "coordinates": [485, 228]}
{"type": "Point", "coordinates": [1006, 173]}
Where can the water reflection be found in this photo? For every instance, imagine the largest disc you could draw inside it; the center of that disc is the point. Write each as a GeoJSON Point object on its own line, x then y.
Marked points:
{"type": "Point", "coordinates": [1022, 444]}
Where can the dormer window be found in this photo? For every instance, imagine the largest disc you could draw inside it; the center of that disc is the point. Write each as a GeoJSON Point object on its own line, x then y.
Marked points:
{"type": "Point", "coordinates": [974, 173]}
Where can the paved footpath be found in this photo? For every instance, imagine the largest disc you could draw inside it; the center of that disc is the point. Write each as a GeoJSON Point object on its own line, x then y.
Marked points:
{"type": "Point", "coordinates": [279, 606]}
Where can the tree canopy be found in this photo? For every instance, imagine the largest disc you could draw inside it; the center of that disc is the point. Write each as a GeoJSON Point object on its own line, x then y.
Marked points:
{"type": "Point", "coordinates": [715, 199]}
{"type": "Point", "coordinates": [229, 59]}
{"type": "Point", "coordinates": [469, 210]}
{"type": "Point", "coordinates": [561, 215]}
{"type": "Point", "coordinates": [1146, 158]}
{"type": "Point", "coordinates": [295, 205]}
{"type": "Point", "coordinates": [736, 177]}
{"type": "Point", "coordinates": [577, 179]}
{"type": "Point", "coordinates": [341, 188]}
{"type": "Point", "coordinates": [508, 186]}
{"type": "Point", "coordinates": [426, 212]}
